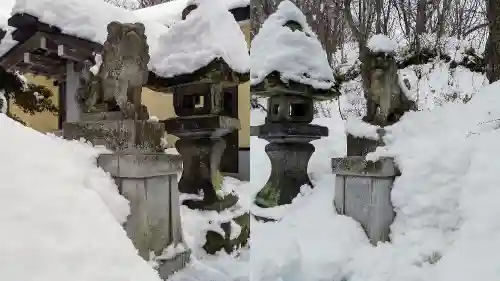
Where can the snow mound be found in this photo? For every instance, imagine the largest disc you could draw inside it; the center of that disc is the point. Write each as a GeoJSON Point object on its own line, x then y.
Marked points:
{"type": "Point", "coordinates": [171, 12]}
{"type": "Point", "coordinates": [382, 43]}
{"type": "Point", "coordinates": [296, 55]}
{"type": "Point", "coordinates": [61, 214]}
{"type": "Point", "coordinates": [446, 204]}
{"type": "Point", "coordinates": [357, 128]}
{"type": "Point", "coordinates": [209, 32]}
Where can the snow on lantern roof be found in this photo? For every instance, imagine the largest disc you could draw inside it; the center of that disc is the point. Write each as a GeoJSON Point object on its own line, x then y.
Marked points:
{"type": "Point", "coordinates": [208, 33]}
{"type": "Point", "coordinates": [296, 54]}
{"type": "Point", "coordinates": [380, 43]}
{"type": "Point", "coordinates": [170, 12]}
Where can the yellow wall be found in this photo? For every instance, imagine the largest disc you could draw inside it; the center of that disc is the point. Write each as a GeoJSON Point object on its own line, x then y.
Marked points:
{"type": "Point", "coordinates": [159, 105]}
{"type": "Point", "coordinates": [45, 121]}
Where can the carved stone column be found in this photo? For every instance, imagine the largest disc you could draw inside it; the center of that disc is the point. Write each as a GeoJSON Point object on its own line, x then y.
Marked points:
{"type": "Point", "coordinates": [289, 134]}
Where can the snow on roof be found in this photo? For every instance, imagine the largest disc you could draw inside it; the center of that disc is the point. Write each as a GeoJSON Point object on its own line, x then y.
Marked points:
{"type": "Point", "coordinates": [297, 55]}
{"type": "Point", "coordinates": [62, 214]}
{"type": "Point", "coordinates": [85, 19]}
{"type": "Point", "coordinates": [382, 43]}
{"type": "Point", "coordinates": [171, 12]}
{"type": "Point", "coordinates": [209, 32]}
{"type": "Point", "coordinates": [7, 42]}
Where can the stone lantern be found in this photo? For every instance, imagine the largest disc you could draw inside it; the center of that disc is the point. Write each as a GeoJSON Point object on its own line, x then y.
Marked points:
{"type": "Point", "coordinates": [290, 110]}
{"type": "Point", "coordinates": [202, 102]}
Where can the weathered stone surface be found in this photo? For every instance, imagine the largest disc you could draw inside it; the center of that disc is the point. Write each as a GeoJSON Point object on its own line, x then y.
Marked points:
{"type": "Point", "coordinates": [122, 135]}
{"type": "Point", "coordinates": [201, 126]}
{"type": "Point", "coordinates": [291, 132]}
{"type": "Point", "coordinates": [140, 165]}
{"type": "Point", "coordinates": [289, 172]}
{"type": "Point", "coordinates": [215, 242]}
{"type": "Point", "coordinates": [385, 100]}
{"type": "Point", "coordinates": [168, 267]}
{"type": "Point", "coordinates": [201, 158]}
{"type": "Point", "coordinates": [290, 108]}
{"type": "Point", "coordinates": [363, 192]}
{"type": "Point", "coordinates": [201, 98]}
{"type": "Point", "coordinates": [289, 151]}
{"type": "Point", "coordinates": [154, 222]}
{"type": "Point", "coordinates": [361, 146]}
{"type": "Point", "coordinates": [357, 165]}
{"type": "Point", "coordinates": [122, 73]}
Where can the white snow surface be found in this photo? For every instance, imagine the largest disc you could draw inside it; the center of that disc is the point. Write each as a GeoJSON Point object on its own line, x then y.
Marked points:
{"type": "Point", "coordinates": [171, 12]}
{"type": "Point", "coordinates": [221, 266]}
{"type": "Point", "coordinates": [61, 215]}
{"type": "Point", "coordinates": [356, 127]}
{"type": "Point", "coordinates": [87, 19]}
{"type": "Point", "coordinates": [446, 205]}
{"type": "Point", "coordinates": [3, 103]}
{"type": "Point", "coordinates": [296, 55]}
{"type": "Point", "coordinates": [209, 32]}
{"type": "Point", "coordinates": [382, 43]}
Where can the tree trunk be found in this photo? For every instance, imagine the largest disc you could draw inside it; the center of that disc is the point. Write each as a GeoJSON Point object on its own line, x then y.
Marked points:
{"type": "Point", "coordinates": [493, 43]}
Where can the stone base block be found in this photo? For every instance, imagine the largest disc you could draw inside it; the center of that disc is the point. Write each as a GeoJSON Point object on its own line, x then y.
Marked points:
{"type": "Point", "coordinates": [149, 182]}
{"type": "Point", "coordinates": [361, 146]}
{"type": "Point", "coordinates": [126, 136]}
{"type": "Point", "coordinates": [363, 192]}
{"type": "Point", "coordinates": [169, 266]}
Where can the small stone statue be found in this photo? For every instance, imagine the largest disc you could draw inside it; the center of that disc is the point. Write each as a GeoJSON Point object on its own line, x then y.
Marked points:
{"type": "Point", "coordinates": [122, 73]}
{"type": "Point", "coordinates": [385, 100]}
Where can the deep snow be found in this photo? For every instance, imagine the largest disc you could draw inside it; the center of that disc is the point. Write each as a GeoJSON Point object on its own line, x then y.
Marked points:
{"type": "Point", "coordinates": [445, 200]}
{"type": "Point", "coordinates": [60, 214]}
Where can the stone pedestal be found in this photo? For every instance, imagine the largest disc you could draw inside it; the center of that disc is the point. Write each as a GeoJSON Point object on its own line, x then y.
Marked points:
{"type": "Point", "coordinates": [361, 146]}
{"type": "Point", "coordinates": [127, 136]}
{"type": "Point", "coordinates": [363, 192]}
{"type": "Point", "coordinates": [149, 182]}
{"type": "Point", "coordinates": [289, 151]}
{"type": "Point", "coordinates": [146, 177]}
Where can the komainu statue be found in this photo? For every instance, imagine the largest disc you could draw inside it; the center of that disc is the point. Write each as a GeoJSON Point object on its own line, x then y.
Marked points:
{"type": "Point", "coordinates": [385, 100]}
{"type": "Point", "coordinates": [121, 75]}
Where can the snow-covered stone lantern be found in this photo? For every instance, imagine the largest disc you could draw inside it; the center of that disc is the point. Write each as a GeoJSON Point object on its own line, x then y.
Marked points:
{"type": "Point", "coordinates": [291, 69]}
{"type": "Point", "coordinates": [363, 187]}
{"type": "Point", "coordinates": [204, 55]}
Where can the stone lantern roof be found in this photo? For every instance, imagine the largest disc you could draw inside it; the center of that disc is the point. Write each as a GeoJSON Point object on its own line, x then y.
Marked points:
{"type": "Point", "coordinates": [288, 57]}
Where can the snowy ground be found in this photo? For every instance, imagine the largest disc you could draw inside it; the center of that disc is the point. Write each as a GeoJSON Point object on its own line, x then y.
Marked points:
{"type": "Point", "coordinates": [60, 214]}
{"type": "Point", "coordinates": [446, 204]}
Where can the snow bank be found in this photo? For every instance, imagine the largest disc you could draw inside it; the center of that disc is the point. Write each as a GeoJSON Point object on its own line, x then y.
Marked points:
{"type": "Point", "coordinates": [296, 55]}
{"type": "Point", "coordinates": [171, 12]}
{"type": "Point", "coordinates": [382, 43]}
{"type": "Point", "coordinates": [209, 32]}
{"type": "Point", "coordinates": [445, 200]}
{"type": "Point", "coordinates": [60, 214]}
